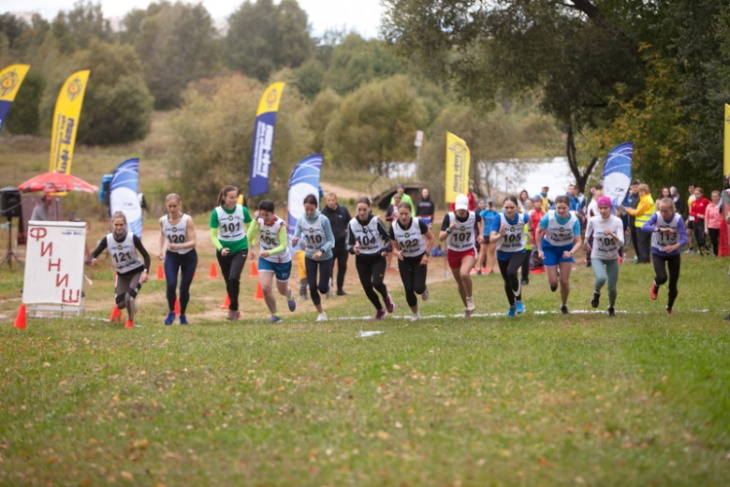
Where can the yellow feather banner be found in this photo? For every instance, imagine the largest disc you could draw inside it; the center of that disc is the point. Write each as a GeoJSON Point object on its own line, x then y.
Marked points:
{"type": "Point", "coordinates": [66, 122]}
{"type": "Point", "coordinates": [457, 167]}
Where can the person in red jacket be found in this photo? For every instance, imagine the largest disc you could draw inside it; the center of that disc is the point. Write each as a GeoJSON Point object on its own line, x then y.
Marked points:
{"type": "Point", "coordinates": [697, 210]}
{"type": "Point", "coordinates": [713, 221]}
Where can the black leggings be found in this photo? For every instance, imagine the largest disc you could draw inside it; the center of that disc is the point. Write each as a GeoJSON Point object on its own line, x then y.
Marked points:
{"type": "Point", "coordinates": [340, 255]}
{"type": "Point", "coordinates": [700, 234]}
{"type": "Point", "coordinates": [413, 275]}
{"type": "Point", "coordinates": [661, 274]}
{"type": "Point", "coordinates": [231, 268]}
{"type": "Point", "coordinates": [526, 265]}
{"type": "Point", "coordinates": [509, 268]}
{"type": "Point", "coordinates": [371, 271]}
{"type": "Point", "coordinates": [715, 239]}
{"type": "Point", "coordinates": [325, 274]}
{"type": "Point", "coordinates": [186, 265]}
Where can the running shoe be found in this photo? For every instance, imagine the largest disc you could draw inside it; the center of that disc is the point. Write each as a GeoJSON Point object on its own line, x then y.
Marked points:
{"type": "Point", "coordinates": [654, 291]}
{"type": "Point", "coordinates": [520, 307]}
{"type": "Point", "coordinates": [234, 315]}
{"type": "Point", "coordinates": [670, 311]}
{"type": "Point", "coordinates": [129, 324]}
{"type": "Point", "coordinates": [416, 316]}
{"type": "Point", "coordinates": [291, 302]}
{"type": "Point", "coordinates": [274, 318]}
{"type": "Point", "coordinates": [322, 316]}
{"type": "Point", "coordinates": [389, 304]}
{"type": "Point", "coordinates": [564, 309]}
{"type": "Point", "coordinates": [511, 312]}
{"type": "Point", "coordinates": [595, 299]}
{"type": "Point", "coordinates": [470, 306]}
{"type": "Point", "coordinates": [425, 294]}
{"type": "Point", "coordinates": [525, 282]}
{"type": "Point", "coordinates": [611, 311]}
{"type": "Point", "coordinates": [380, 314]}
{"type": "Point", "coordinates": [341, 292]}
{"type": "Point", "coordinates": [183, 320]}
{"type": "Point", "coordinates": [170, 319]}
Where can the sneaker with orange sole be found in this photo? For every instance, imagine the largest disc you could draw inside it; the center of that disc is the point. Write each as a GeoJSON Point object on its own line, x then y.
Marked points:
{"type": "Point", "coordinates": [654, 291]}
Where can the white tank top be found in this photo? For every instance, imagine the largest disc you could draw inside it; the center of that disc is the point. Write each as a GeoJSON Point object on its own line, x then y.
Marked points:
{"type": "Point", "coordinates": [660, 240]}
{"type": "Point", "coordinates": [462, 236]}
{"type": "Point", "coordinates": [410, 240]}
{"type": "Point", "coordinates": [604, 246]}
{"type": "Point", "coordinates": [557, 234]}
{"type": "Point", "coordinates": [368, 236]}
{"type": "Point", "coordinates": [123, 253]}
{"type": "Point", "coordinates": [269, 240]}
{"type": "Point", "coordinates": [514, 238]}
{"type": "Point", "coordinates": [176, 234]}
{"type": "Point", "coordinates": [231, 227]}
{"type": "Point", "coordinates": [313, 234]}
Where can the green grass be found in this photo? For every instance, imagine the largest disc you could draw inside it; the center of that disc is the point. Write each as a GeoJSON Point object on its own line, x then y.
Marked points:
{"type": "Point", "coordinates": [542, 399]}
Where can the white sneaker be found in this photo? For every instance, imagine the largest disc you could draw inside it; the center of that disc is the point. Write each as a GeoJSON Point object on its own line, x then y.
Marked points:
{"type": "Point", "coordinates": [424, 296]}
{"type": "Point", "coordinates": [322, 316]}
{"type": "Point", "coordinates": [415, 316]}
{"type": "Point", "coordinates": [470, 304]}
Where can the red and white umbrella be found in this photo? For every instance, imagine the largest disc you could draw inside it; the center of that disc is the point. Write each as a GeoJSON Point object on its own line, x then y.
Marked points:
{"type": "Point", "coordinates": [56, 182]}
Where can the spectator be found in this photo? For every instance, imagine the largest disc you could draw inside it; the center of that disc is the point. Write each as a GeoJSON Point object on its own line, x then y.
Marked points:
{"type": "Point", "coordinates": [339, 218]}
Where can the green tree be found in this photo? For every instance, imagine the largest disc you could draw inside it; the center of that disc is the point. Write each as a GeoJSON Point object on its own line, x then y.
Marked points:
{"type": "Point", "coordinates": [77, 28]}
{"type": "Point", "coordinates": [321, 110]}
{"type": "Point", "coordinates": [117, 105]}
{"type": "Point", "coordinates": [356, 61]}
{"type": "Point", "coordinates": [376, 124]}
{"type": "Point", "coordinates": [176, 43]}
{"type": "Point", "coordinates": [213, 137]}
{"type": "Point", "coordinates": [23, 118]}
{"type": "Point", "coordinates": [263, 37]}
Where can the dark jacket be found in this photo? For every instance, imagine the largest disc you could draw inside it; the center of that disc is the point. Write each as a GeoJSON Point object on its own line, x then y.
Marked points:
{"type": "Point", "coordinates": [339, 218]}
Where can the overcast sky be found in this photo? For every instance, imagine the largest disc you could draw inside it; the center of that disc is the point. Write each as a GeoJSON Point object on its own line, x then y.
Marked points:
{"type": "Point", "coordinates": [362, 16]}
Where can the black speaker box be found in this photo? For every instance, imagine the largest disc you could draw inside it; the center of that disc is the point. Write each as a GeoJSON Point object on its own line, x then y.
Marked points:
{"type": "Point", "coordinates": [10, 202]}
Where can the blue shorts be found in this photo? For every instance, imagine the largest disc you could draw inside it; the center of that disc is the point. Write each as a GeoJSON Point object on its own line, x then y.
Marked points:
{"type": "Point", "coordinates": [553, 255]}
{"type": "Point", "coordinates": [282, 270]}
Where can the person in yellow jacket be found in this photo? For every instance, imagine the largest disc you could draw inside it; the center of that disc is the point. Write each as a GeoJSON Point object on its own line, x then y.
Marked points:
{"type": "Point", "coordinates": [642, 213]}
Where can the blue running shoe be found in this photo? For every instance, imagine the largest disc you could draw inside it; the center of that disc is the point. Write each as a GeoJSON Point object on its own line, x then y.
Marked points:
{"type": "Point", "coordinates": [274, 319]}
{"type": "Point", "coordinates": [170, 318]}
{"type": "Point", "coordinates": [183, 320]}
{"type": "Point", "coordinates": [520, 306]}
{"type": "Point", "coordinates": [512, 312]}
{"type": "Point", "coordinates": [291, 302]}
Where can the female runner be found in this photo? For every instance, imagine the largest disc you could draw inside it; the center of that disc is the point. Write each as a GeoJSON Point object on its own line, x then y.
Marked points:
{"type": "Point", "coordinates": [411, 242]}
{"type": "Point", "coordinates": [316, 232]}
{"type": "Point", "coordinates": [177, 233]}
{"type": "Point", "coordinates": [228, 225]}
{"type": "Point", "coordinates": [369, 241]}
{"type": "Point", "coordinates": [557, 243]}
{"type": "Point", "coordinates": [274, 258]}
{"type": "Point", "coordinates": [124, 248]}
{"type": "Point", "coordinates": [667, 237]}
{"type": "Point", "coordinates": [605, 234]}
{"type": "Point", "coordinates": [463, 229]}
{"type": "Point", "coordinates": [508, 230]}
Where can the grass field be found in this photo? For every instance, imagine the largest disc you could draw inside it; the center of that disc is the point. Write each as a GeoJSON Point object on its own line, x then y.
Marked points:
{"type": "Point", "coordinates": [541, 399]}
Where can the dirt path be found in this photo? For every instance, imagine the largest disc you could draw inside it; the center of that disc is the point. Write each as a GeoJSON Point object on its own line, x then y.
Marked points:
{"type": "Point", "coordinates": [341, 192]}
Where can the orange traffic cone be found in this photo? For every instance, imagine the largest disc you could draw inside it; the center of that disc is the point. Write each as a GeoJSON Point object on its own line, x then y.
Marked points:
{"type": "Point", "coordinates": [177, 308]}
{"type": "Point", "coordinates": [160, 272]}
{"type": "Point", "coordinates": [226, 303]}
{"type": "Point", "coordinates": [213, 271]}
{"type": "Point", "coordinates": [20, 318]}
{"type": "Point", "coordinates": [259, 292]}
{"type": "Point", "coordinates": [254, 269]}
{"type": "Point", "coordinates": [116, 315]}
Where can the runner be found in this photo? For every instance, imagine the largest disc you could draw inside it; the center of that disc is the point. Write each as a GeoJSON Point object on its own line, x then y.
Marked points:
{"type": "Point", "coordinates": [463, 229]}
{"type": "Point", "coordinates": [667, 237]}
{"type": "Point", "coordinates": [558, 240]}
{"type": "Point", "coordinates": [228, 225]}
{"type": "Point", "coordinates": [318, 242]}
{"type": "Point", "coordinates": [177, 233]}
{"type": "Point", "coordinates": [508, 231]}
{"type": "Point", "coordinates": [411, 242]}
{"type": "Point", "coordinates": [604, 238]}
{"type": "Point", "coordinates": [274, 257]}
{"type": "Point", "coordinates": [124, 247]}
{"type": "Point", "coordinates": [487, 259]}
{"type": "Point", "coordinates": [369, 241]}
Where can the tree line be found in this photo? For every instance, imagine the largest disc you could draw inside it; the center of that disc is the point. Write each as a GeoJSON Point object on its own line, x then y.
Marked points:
{"type": "Point", "coordinates": [514, 78]}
